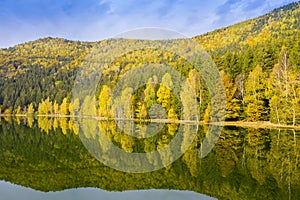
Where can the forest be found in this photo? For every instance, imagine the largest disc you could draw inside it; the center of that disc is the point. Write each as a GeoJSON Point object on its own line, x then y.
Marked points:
{"type": "Point", "coordinates": [258, 60]}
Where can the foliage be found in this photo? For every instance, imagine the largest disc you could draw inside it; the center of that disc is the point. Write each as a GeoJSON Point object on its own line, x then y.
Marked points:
{"type": "Point", "coordinates": [258, 60]}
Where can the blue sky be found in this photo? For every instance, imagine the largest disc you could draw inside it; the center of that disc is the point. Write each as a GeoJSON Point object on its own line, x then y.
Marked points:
{"type": "Point", "coordinates": [90, 20]}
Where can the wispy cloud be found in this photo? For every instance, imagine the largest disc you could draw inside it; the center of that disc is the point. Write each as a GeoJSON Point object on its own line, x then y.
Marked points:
{"type": "Point", "coordinates": [25, 20]}
{"type": "Point", "coordinates": [233, 11]}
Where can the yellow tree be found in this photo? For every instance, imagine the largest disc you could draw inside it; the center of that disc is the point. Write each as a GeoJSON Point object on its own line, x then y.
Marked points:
{"type": "Point", "coordinates": [45, 107]}
{"type": "Point", "coordinates": [64, 107]}
{"type": "Point", "coordinates": [105, 102]}
{"type": "Point", "coordinates": [30, 109]}
{"type": "Point", "coordinates": [18, 110]}
{"type": "Point", "coordinates": [141, 111]}
{"type": "Point", "coordinates": [164, 95]}
{"type": "Point", "coordinates": [55, 108]}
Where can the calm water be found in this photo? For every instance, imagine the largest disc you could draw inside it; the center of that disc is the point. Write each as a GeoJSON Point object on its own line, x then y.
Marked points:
{"type": "Point", "coordinates": [51, 158]}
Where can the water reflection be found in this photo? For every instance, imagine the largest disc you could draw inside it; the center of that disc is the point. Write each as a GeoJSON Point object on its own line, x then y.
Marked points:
{"type": "Point", "coordinates": [244, 164]}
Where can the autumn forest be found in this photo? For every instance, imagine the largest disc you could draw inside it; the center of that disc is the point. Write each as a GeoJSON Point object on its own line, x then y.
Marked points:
{"type": "Point", "coordinates": [258, 61]}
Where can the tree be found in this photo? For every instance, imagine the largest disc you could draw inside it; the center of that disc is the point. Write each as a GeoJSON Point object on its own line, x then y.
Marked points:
{"type": "Point", "coordinates": [141, 111]}
{"type": "Point", "coordinates": [105, 102]}
{"type": "Point", "coordinates": [18, 110]}
{"type": "Point", "coordinates": [55, 108]}
{"type": "Point", "coordinates": [64, 107]}
{"type": "Point", "coordinates": [255, 100]}
{"type": "Point", "coordinates": [149, 92]}
{"type": "Point", "coordinates": [45, 107]}
{"type": "Point", "coordinates": [283, 91]}
{"type": "Point", "coordinates": [164, 95]}
{"type": "Point", "coordinates": [172, 114]}
{"type": "Point", "coordinates": [126, 102]}
{"type": "Point", "coordinates": [233, 105]}
{"type": "Point", "coordinates": [189, 102]}
{"type": "Point", "coordinates": [30, 109]}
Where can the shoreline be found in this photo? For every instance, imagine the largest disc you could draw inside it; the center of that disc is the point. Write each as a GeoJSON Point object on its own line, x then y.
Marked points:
{"type": "Point", "coordinates": [256, 125]}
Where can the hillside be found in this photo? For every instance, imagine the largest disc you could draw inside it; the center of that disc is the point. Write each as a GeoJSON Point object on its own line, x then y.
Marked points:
{"type": "Point", "coordinates": [274, 27]}
{"type": "Point", "coordinates": [259, 60]}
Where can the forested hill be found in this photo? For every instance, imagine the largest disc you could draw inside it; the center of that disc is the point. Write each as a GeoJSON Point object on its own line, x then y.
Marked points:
{"type": "Point", "coordinates": [259, 60]}
{"type": "Point", "coordinates": [271, 28]}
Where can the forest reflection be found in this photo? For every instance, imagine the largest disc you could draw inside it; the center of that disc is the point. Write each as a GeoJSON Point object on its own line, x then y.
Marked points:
{"type": "Point", "coordinates": [49, 154]}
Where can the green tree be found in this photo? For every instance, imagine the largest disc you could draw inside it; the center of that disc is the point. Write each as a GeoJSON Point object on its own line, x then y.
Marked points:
{"type": "Point", "coordinates": [233, 105]}
{"type": "Point", "coordinates": [149, 92]}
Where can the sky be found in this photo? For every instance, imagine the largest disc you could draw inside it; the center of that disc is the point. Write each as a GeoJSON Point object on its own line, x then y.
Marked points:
{"type": "Point", "coordinates": [94, 20]}
{"type": "Point", "coordinates": [12, 191]}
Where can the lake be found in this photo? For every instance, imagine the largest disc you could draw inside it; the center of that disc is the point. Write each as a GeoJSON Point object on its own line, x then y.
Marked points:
{"type": "Point", "coordinates": [63, 158]}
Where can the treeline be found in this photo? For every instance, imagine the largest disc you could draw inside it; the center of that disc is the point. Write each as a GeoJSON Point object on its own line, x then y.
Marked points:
{"type": "Point", "coordinates": [269, 91]}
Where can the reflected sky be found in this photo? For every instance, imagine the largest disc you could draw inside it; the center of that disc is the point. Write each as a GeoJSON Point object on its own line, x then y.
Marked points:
{"type": "Point", "coordinates": [10, 191]}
